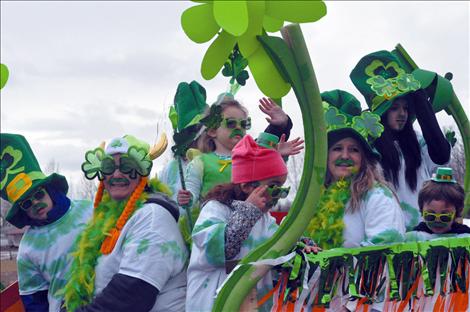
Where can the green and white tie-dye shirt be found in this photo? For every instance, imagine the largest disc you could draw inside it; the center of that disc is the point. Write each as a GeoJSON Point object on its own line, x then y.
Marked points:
{"type": "Point", "coordinates": [44, 254]}
{"type": "Point", "coordinates": [379, 220]}
{"type": "Point", "coordinates": [151, 249]}
{"type": "Point", "coordinates": [206, 270]}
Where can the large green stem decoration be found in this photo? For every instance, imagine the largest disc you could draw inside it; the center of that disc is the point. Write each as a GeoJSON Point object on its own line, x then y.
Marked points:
{"type": "Point", "coordinates": [293, 63]}
{"type": "Point", "coordinates": [445, 98]}
{"type": "Point", "coordinates": [3, 75]}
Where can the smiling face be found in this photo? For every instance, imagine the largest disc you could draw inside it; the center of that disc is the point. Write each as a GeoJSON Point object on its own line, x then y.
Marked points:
{"type": "Point", "coordinates": [38, 205]}
{"type": "Point", "coordinates": [443, 223]}
{"type": "Point", "coordinates": [224, 138]}
{"type": "Point", "coordinates": [119, 185]}
{"type": "Point", "coordinates": [397, 114]}
{"type": "Point", "coordinates": [344, 158]}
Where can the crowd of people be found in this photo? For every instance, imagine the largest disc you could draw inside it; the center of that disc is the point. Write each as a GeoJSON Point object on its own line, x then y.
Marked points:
{"type": "Point", "coordinates": [125, 251]}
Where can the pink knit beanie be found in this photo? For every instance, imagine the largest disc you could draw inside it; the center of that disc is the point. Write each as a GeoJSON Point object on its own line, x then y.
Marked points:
{"type": "Point", "coordinates": [251, 162]}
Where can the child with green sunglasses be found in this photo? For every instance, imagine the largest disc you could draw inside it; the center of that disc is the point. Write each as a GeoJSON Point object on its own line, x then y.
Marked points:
{"type": "Point", "coordinates": [441, 202]}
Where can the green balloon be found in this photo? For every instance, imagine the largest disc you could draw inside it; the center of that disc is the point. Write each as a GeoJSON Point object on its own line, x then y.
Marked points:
{"type": "Point", "coordinates": [3, 75]}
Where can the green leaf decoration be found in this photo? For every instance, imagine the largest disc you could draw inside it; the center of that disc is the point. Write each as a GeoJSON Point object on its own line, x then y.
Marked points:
{"type": "Point", "coordinates": [334, 119]}
{"type": "Point", "coordinates": [296, 11]}
{"type": "Point", "coordinates": [382, 86]}
{"type": "Point", "coordinates": [241, 22]}
{"type": "Point", "coordinates": [450, 136]}
{"type": "Point", "coordinates": [196, 31]}
{"type": "Point", "coordinates": [368, 124]}
{"type": "Point", "coordinates": [3, 75]}
{"type": "Point", "coordinates": [217, 54]}
{"type": "Point", "coordinates": [140, 161]}
{"type": "Point", "coordinates": [242, 77]}
{"type": "Point", "coordinates": [173, 115]}
{"type": "Point", "coordinates": [232, 16]}
{"type": "Point", "coordinates": [272, 24]}
{"type": "Point", "coordinates": [92, 165]}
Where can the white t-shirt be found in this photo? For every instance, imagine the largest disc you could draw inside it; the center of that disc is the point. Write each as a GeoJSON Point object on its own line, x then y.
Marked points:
{"type": "Point", "coordinates": [151, 249]}
{"type": "Point", "coordinates": [206, 270]}
{"type": "Point", "coordinates": [44, 254]}
{"type": "Point", "coordinates": [379, 220]}
{"type": "Point", "coordinates": [408, 198]}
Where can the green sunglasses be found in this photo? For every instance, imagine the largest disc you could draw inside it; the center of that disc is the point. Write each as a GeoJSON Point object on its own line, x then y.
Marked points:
{"type": "Point", "coordinates": [28, 202]}
{"type": "Point", "coordinates": [275, 191]}
{"type": "Point", "coordinates": [126, 166]}
{"type": "Point", "coordinates": [438, 217]}
{"type": "Point", "coordinates": [232, 123]}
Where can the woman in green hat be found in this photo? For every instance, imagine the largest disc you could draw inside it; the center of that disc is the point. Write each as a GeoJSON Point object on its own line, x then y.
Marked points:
{"type": "Point", "coordinates": [408, 160]}
{"type": "Point", "coordinates": [54, 221]}
{"type": "Point", "coordinates": [357, 207]}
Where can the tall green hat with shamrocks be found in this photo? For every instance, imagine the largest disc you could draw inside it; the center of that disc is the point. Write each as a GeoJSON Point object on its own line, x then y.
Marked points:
{"type": "Point", "coordinates": [185, 114]}
{"type": "Point", "coordinates": [381, 78]}
{"type": "Point", "coordinates": [21, 175]}
{"type": "Point", "coordinates": [344, 118]}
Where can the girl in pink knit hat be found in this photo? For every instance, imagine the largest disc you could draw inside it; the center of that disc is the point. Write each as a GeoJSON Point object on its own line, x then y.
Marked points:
{"type": "Point", "coordinates": [234, 220]}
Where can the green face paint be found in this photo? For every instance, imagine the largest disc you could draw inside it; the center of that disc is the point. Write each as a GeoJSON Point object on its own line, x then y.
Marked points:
{"type": "Point", "coordinates": [437, 225]}
{"type": "Point", "coordinates": [348, 162]}
{"type": "Point", "coordinates": [236, 132]}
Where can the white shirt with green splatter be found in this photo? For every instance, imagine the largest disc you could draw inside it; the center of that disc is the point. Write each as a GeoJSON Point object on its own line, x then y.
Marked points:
{"type": "Point", "coordinates": [151, 249]}
{"type": "Point", "coordinates": [44, 254]}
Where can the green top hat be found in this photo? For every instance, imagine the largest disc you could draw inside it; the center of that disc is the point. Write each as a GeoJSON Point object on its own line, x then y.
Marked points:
{"type": "Point", "coordinates": [381, 78]}
{"type": "Point", "coordinates": [343, 118]}
{"type": "Point", "coordinates": [443, 175]}
{"type": "Point", "coordinates": [267, 140]}
{"type": "Point", "coordinates": [189, 105]}
{"type": "Point", "coordinates": [21, 175]}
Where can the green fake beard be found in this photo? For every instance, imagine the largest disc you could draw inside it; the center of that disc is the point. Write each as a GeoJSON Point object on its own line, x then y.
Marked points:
{"type": "Point", "coordinates": [348, 162]}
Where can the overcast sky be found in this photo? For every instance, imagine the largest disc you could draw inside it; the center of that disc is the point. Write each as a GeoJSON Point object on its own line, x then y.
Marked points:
{"type": "Point", "coordinates": [82, 72]}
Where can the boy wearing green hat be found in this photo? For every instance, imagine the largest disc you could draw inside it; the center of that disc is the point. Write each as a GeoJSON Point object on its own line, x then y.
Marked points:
{"type": "Point", "coordinates": [55, 221]}
{"type": "Point", "coordinates": [408, 160]}
{"type": "Point", "coordinates": [441, 202]}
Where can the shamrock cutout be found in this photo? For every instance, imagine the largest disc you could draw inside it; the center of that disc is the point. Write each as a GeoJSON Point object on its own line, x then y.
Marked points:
{"type": "Point", "coordinates": [235, 66]}
{"type": "Point", "coordinates": [213, 120]}
{"type": "Point", "coordinates": [387, 73]}
{"type": "Point", "coordinates": [334, 119]}
{"type": "Point", "coordinates": [8, 160]}
{"type": "Point", "coordinates": [239, 23]}
{"type": "Point", "coordinates": [136, 161]}
{"type": "Point", "coordinates": [450, 136]}
{"type": "Point", "coordinates": [381, 86]}
{"type": "Point", "coordinates": [368, 124]}
{"type": "Point", "coordinates": [407, 82]}
{"type": "Point", "coordinates": [92, 165]}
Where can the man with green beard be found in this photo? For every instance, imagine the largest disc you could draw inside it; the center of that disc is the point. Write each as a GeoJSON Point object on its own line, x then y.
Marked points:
{"type": "Point", "coordinates": [54, 221]}
{"type": "Point", "coordinates": [131, 256]}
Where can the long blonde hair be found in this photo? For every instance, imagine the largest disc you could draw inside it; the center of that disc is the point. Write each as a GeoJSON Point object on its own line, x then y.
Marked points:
{"type": "Point", "coordinates": [368, 176]}
{"type": "Point", "coordinates": [206, 143]}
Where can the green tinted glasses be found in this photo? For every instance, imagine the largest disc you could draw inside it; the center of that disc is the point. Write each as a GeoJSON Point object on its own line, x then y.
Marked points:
{"type": "Point", "coordinates": [232, 123]}
{"type": "Point", "coordinates": [28, 202]}
{"type": "Point", "coordinates": [126, 166]}
{"type": "Point", "coordinates": [278, 192]}
{"type": "Point", "coordinates": [438, 217]}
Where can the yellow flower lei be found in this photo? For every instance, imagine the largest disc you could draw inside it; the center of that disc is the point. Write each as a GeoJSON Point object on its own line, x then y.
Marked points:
{"type": "Point", "coordinates": [326, 226]}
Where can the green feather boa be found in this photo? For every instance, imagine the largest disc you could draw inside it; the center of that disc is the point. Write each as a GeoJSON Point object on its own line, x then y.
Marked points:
{"type": "Point", "coordinates": [326, 226]}
{"type": "Point", "coordinates": [80, 287]}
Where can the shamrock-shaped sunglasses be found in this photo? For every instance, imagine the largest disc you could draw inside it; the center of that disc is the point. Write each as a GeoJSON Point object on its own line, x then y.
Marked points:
{"type": "Point", "coordinates": [28, 202]}
{"type": "Point", "coordinates": [126, 165]}
{"type": "Point", "coordinates": [232, 123]}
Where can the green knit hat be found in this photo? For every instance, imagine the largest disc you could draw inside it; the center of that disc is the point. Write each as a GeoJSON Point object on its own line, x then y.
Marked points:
{"type": "Point", "coordinates": [381, 78]}
{"type": "Point", "coordinates": [343, 118]}
{"type": "Point", "coordinates": [21, 175]}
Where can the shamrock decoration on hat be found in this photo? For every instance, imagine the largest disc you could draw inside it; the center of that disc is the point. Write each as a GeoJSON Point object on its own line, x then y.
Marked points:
{"type": "Point", "coordinates": [21, 175]}
{"type": "Point", "coordinates": [136, 158]}
{"type": "Point", "coordinates": [381, 78]}
{"type": "Point", "coordinates": [186, 114]}
{"type": "Point", "coordinates": [344, 118]}
{"type": "Point", "coordinates": [443, 175]}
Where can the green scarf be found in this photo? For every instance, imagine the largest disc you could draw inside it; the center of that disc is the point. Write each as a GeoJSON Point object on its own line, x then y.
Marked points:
{"type": "Point", "coordinates": [326, 226]}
